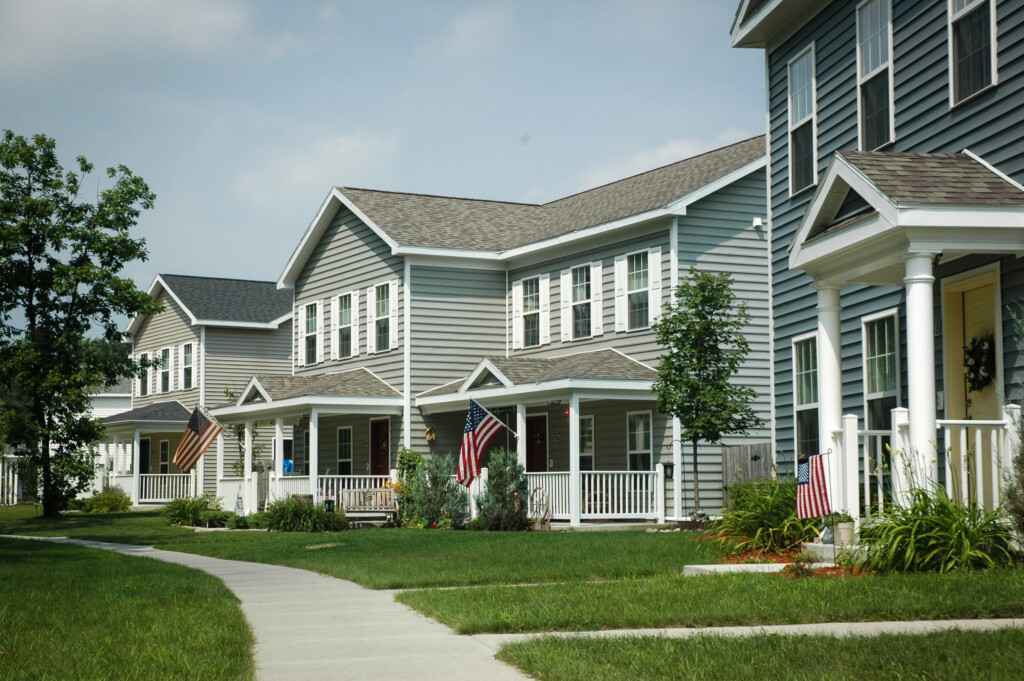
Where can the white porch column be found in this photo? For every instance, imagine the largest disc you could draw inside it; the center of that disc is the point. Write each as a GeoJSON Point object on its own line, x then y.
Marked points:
{"type": "Point", "coordinates": [312, 454]}
{"type": "Point", "coordinates": [200, 470]}
{"type": "Point", "coordinates": [921, 363]}
{"type": "Point", "coordinates": [247, 470]}
{"type": "Point", "coordinates": [677, 468]}
{"type": "Point", "coordinates": [850, 469]}
{"type": "Point", "coordinates": [574, 460]}
{"type": "Point", "coordinates": [830, 380]}
{"type": "Point", "coordinates": [135, 468]}
{"type": "Point", "coordinates": [279, 449]}
{"type": "Point", "coordinates": [220, 461]}
{"type": "Point", "coordinates": [521, 433]}
{"type": "Point", "coordinates": [900, 464]}
{"type": "Point", "coordinates": [115, 466]}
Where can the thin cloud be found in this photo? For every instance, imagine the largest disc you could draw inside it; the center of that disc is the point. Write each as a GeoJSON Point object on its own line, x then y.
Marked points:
{"type": "Point", "coordinates": [481, 30]}
{"type": "Point", "coordinates": [649, 159]}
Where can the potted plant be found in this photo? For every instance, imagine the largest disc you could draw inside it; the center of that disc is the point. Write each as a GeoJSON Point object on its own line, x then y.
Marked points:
{"type": "Point", "coordinates": [843, 523]}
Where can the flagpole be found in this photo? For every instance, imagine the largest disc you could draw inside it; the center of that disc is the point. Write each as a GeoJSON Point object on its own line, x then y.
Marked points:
{"type": "Point", "coordinates": [484, 409]}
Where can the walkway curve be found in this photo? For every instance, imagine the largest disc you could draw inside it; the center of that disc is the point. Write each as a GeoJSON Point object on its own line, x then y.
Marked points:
{"type": "Point", "coordinates": [309, 627]}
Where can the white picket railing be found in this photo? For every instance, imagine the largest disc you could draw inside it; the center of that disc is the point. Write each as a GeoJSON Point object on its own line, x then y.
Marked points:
{"type": "Point", "coordinates": [556, 487]}
{"type": "Point", "coordinates": [333, 486]}
{"type": "Point", "coordinates": [620, 494]}
{"type": "Point", "coordinates": [975, 458]}
{"type": "Point", "coordinates": [159, 487]}
{"type": "Point", "coordinates": [8, 481]}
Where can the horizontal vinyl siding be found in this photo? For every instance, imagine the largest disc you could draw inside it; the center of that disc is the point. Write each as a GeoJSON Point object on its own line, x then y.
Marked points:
{"type": "Point", "coordinates": [989, 125]}
{"type": "Point", "coordinates": [168, 328]}
{"type": "Point", "coordinates": [349, 256]}
{"type": "Point", "coordinates": [327, 442]}
{"type": "Point", "coordinates": [235, 355]}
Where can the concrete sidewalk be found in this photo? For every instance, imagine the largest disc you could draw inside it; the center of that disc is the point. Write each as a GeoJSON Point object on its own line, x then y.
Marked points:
{"type": "Point", "coordinates": [309, 627]}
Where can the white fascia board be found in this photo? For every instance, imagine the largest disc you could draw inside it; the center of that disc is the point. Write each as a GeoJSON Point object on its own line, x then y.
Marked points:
{"type": "Point", "coordinates": [145, 426]}
{"type": "Point", "coordinates": [457, 253]}
{"type": "Point", "coordinates": [605, 386]}
{"type": "Point", "coordinates": [484, 365]}
{"type": "Point", "coordinates": [961, 217]}
{"type": "Point", "coordinates": [678, 207]}
{"type": "Point", "coordinates": [993, 169]}
{"type": "Point", "coordinates": [264, 326]}
{"type": "Point", "coordinates": [461, 261]}
{"type": "Point", "coordinates": [756, 31]}
{"type": "Point", "coordinates": [254, 384]}
{"type": "Point", "coordinates": [335, 199]}
{"type": "Point", "coordinates": [871, 228]}
{"type": "Point", "coordinates": [153, 292]}
{"type": "Point", "coordinates": [341, 405]}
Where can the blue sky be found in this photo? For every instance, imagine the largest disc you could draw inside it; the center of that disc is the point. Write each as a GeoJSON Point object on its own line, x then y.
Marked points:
{"type": "Point", "coordinates": [242, 115]}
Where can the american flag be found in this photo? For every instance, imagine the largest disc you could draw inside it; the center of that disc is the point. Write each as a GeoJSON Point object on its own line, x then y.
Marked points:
{"type": "Point", "coordinates": [481, 427]}
{"type": "Point", "coordinates": [811, 487]}
{"type": "Point", "coordinates": [199, 435]}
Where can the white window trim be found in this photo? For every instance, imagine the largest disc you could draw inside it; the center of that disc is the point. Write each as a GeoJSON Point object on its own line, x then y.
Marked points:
{"type": "Point", "coordinates": [371, 317]}
{"type": "Point", "coordinates": [168, 460]}
{"type": "Point", "coordinates": [593, 441]}
{"type": "Point", "coordinates": [569, 303]}
{"type": "Point", "coordinates": [864, 77]}
{"type": "Point", "coordinates": [864, 321]}
{"type": "Point", "coordinates": [182, 366]}
{"type": "Point", "coordinates": [650, 450]}
{"type": "Point", "coordinates": [519, 317]}
{"type": "Point", "coordinates": [318, 315]}
{"type": "Point", "coordinates": [351, 449]}
{"type": "Point", "coordinates": [622, 290]}
{"type": "Point", "coordinates": [813, 118]}
{"type": "Point", "coordinates": [951, 18]}
{"type": "Point", "coordinates": [165, 367]}
{"type": "Point", "coordinates": [146, 378]}
{"type": "Point", "coordinates": [352, 326]}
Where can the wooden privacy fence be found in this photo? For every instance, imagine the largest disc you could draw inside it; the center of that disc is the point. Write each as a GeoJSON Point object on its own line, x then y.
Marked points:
{"type": "Point", "coordinates": [743, 463]}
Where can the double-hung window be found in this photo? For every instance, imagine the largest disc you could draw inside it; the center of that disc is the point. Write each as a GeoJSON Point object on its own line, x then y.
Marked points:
{"type": "Point", "coordinates": [874, 74]}
{"type": "Point", "coordinates": [310, 331]}
{"type": "Point", "coordinates": [637, 291]}
{"type": "Point", "coordinates": [345, 450]}
{"type": "Point", "coordinates": [165, 370]}
{"type": "Point", "coordinates": [165, 456]}
{"type": "Point", "coordinates": [638, 440]}
{"type": "Point", "coordinates": [143, 381]}
{"type": "Point", "coordinates": [881, 369]}
{"type": "Point", "coordinates": [383, 323]}
{"type": "Point", "coordinates": [187, 363]}
{"type": "Point", "coordinates": [586, 443]}
{"type": "Point", "coordinates": [531, 312]}
{"type": "Point", "coordinates": [805, 393]}
{"type": "Point", "coordinates": [802, 161]}
{"type": "Point", "coordinates": [971, 47]}
{"type": "Point", "coordinates": [345, 325]}
{"type": "Point", "coordinates": [581, 302]}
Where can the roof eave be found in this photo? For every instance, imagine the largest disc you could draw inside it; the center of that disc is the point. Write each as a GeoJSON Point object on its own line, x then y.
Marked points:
{"type": "Point", "coordinates": [772, 22]}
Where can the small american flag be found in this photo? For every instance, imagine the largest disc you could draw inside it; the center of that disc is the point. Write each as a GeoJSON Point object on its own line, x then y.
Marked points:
{"type": "Point", "coordinates": [481, 427]}
{"type": "Point", "coordinates": [811, 488]}
{"type": "Point", "coordinates": [199, 435]}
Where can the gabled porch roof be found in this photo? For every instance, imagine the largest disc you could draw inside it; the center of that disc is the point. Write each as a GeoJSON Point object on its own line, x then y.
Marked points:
{"type": "Point", "coordinates": [596, 374]}
{"type": "Point", "coordinates": [874, 209]}
{"type": "Point", "coordinates": [356, 391]}
{"type": "Point", "coordinates": [159, 416]}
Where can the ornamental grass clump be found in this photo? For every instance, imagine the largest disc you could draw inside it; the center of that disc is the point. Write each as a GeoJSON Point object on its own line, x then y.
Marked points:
{"type": "Point", "coordinates": [186, 511]}
{"type": "Point", "coordinates": [110, 500]}
{"type": "Point", "coordinates": [761, 516]}
{"type": "Point", "coordinates": [934, 533]}
{"type": "Point", "coordinates": [296, 515]}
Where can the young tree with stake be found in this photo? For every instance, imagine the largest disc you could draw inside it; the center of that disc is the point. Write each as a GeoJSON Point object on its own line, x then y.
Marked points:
{"type": "Point", "coordinates": [702, 332]}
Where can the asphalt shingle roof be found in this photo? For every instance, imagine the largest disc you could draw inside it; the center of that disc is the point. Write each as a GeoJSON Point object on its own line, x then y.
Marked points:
{"type": "Point", "coordinates": [159, 411]}
{"type": "Point", "coordinates": [354, 383]}
{"type": "Point", "coordinates": [604, 364]}
{"type": "Point", "coordinates": [447, 222]}
{"type": "Point", "coordinates": [230, 300]}
{"type": "Point", "coordinates": [935, 179]}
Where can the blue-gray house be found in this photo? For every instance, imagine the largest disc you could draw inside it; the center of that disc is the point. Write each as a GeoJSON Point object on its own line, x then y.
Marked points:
{"type": "Point", "coordinates": [896, 157]}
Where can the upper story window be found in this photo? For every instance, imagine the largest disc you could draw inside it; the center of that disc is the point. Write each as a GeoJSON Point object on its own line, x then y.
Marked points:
{"type": "Point", "coordinates": [581, 302]}
{"type": "Point", "coordinates": [142, 383]}
{"type": "Point", "coordinates": [310, 328]}
{"type": "Point", "coordinates": [187, 364]}
{"type": "Point", "coordinates": [581, 311]}
{"type": "Point", "coordinates": [165, 370]}
{"type": "Point", "coordinates": [383, 323]}
{"type": "Point", "coordinates": [637, 289]}
{"type": "Point", "coordinates": [637, 282]}
{"type": "Point", "coordinates": [874, 75]}
{"type": "Point", "coordinates": [972, 58]}
{"type": "Point", "coordinates": [881, 369]}
{"type": "Point", "coordinates": [638, 440]}
{"type": "Point", "coordinates": [531, 312]}
{"type": "Point", "coordinates": [382, 317]}
{"type": "Point", "coordinates": [805, 394]}
{"type": "Point", "coordinates": [345, 326]}
{"type": "Point", "coordinates": [802, 111]}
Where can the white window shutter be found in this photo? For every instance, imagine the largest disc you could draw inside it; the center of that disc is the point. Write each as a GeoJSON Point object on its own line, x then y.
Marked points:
{"type": "Point", "coordinates": [181, 366]}
{"type": "Point", "coordinates": [517, 315]}
{"type": "Point", "coordinates": [545, 309]}
{"type": "Point", "coordinates": [371, 318]}
{"type": "Point", "coordinates": [654, 278]}
{"type": "Point", "coordinates": [300, 338]}
{"type": "Point", "coordinates": [566, 305]}
{"type": "Point", "coordinates": [334, 327]}
{"type": "Point", "coordinates": [319, 331]}
{"type": "Point", "coordinates": [596, 300]}
{"type": "Point", "coordinates": [393, 324]}
{"type": "Point", "coordinates": [621, 309]}
{"type": "Point", "coordinates": [355, 323]}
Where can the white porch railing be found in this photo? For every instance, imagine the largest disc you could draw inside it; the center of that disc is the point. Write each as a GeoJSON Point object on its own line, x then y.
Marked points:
{"type": "Point", "coordinates": [556, 485]}
{"type": "Point", "coordinates": [8, 481]}
{"type": "Point", "coordinates": [333, 486]}
{"type": "Point", "coordinates": [125, 482]}
{"type": "Point", "coordinates": [160, 487]}
{"type": "Point", "coordinates": [976, 453]}
{"type": "Point", "coordinates": [290, 485]}
{"type": "Point", "coordinates": [232, 494]}
{"type": "Point", "coordinates": [620, 494]}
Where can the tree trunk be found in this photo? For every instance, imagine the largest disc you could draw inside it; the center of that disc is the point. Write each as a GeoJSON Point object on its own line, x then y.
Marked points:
{"type": "Point", "coordinates": [50, 509]}
{"type": "Point", "coordinates": [696, 482]}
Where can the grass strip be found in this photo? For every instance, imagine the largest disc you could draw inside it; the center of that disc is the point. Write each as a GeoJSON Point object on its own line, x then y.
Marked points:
{"type": "Point", "coordinates": [68, 612]}
{"type": "Point", "coordinates": [401, 558]}
{"type": "Point", "coordinates": [721, 600]}
{"type": "Point", "coordinates": [943, 655]}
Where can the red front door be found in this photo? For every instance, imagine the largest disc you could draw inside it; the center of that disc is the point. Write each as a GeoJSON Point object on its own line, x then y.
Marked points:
{"type": "Point", "coordinates": [380, 447]}
{"type": "Point", "coordinates": [536, 444]}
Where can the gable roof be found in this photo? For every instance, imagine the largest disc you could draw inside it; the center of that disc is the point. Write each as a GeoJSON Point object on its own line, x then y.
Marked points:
{"type": "Point", "coordinates": [216, 301]}
{"type": "Point", "coordinates": [495, 229]}
{"type": "Point", "coordinates": [353, 383]}
{"type": "Point", "coordinates": [123, 386]}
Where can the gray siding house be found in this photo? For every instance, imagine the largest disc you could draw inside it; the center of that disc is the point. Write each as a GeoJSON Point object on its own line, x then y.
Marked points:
{"type": "Point", "coordinates": [896, 157]}
{"type": "Point", "coordinates": [406, 306]}
{"type": "Point", "coordinates": [211, 335]}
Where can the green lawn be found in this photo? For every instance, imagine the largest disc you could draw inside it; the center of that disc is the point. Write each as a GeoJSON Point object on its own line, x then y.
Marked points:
{"type": "Point", "coordinates": [720, 600]}
{"type": "Point", "coordinates": [68, 612]}
{"type": "Point", "coordinates": [945, 655]}
{"type": "Point", "coordinates": [386, 559]}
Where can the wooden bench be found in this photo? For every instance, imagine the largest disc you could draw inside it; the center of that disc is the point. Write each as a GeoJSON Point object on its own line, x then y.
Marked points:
{"type": "Point", "coordinates": [375, 501]}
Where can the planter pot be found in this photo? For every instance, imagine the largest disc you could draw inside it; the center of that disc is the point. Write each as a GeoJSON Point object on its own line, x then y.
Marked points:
{"type": "Point", "coordinates": [844, 533]}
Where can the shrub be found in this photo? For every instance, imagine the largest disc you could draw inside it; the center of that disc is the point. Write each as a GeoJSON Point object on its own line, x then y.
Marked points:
{"type": "Point", "coordinates": [1015, 493]}
{"type": "Point", "coordinates": [503, 503]}
{"type": "Point", "coordinates": [185, 510]}
{"type": "Point", "coordinates": [409, 463]}
{"type": "Point", "coordinates": [296, 515]}
{"type": "Point", "coordinates": [935, 534]}
{"type": "Point", "coordinates": [762, 516]}
{"type": "Point", "coordinates": [110, 500]}
{"type": "Point", "coordinates": [215, 518]}
{"type": "Point", "coordinates": [438, 499]}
